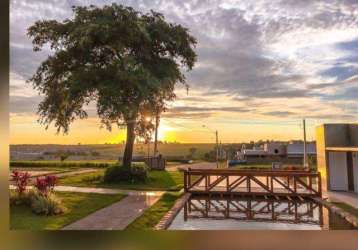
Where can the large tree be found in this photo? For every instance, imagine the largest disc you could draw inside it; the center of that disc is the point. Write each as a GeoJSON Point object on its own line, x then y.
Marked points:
{"type": "Point", "coordinates": [125, 61]}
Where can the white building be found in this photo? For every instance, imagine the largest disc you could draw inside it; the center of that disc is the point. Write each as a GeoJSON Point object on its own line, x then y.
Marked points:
{"type": "Point", "coordinates": [337, 156]}
{"type": "Point", "coordinates": [275, 148]}
{"type": "Point", "coordinates": [297, 149]}
{"type": "Point", "coordinates": [254, 152]}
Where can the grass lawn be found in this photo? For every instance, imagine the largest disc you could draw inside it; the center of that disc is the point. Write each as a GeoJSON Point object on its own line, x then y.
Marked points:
{"type": "Point", "coordinates": [152, 215]}
{"type": "Point", "coordinates": [157, 180]}
{"type": "Point", "coordinates": [78, 206]}
{"type": "Point", "coordinates": [346, 208]}
{"type": "Point", "coordinates": [251, 166]}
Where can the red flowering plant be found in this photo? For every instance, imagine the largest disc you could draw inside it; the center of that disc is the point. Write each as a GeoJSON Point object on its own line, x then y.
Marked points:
{"type": "Point", "coordinates": [21, 180]}
{"type": "Point", "coordinates": [46, 184]}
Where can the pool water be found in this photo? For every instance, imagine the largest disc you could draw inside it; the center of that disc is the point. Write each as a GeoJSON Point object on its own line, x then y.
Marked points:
{"type": "Point", "coordinates": [213, 213]}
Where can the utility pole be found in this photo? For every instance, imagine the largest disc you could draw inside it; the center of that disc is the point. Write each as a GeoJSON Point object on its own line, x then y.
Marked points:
{"type": "Point", "coordinates": [305, 163]}
{"type": "Point", "coordinates": [217, 144]}
{"type": "Point", "coordinates": [217, 149]}
{"type": "Point", "coordinates": [156, 134]}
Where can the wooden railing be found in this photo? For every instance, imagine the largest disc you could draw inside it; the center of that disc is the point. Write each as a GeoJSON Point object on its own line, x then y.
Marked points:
{"type": "Point", "coordinates": [253, 182]}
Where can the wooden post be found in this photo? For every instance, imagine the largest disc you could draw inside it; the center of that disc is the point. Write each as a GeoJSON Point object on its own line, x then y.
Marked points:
{"type": "Point", "coordinates": [185, 181]}
{"type": "Point", "coordinates": [248, 184]}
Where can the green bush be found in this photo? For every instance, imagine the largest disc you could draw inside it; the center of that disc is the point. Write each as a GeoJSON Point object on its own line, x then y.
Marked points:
{"type": "Point", "coordinates": [46, 205]}
{"type": "Point", "coordinates": [136, 173]}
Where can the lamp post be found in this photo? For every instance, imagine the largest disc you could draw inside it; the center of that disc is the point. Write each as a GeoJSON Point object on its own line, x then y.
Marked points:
{"type": "Point", "coordinates": [148, 119]}
{"type": "Point", "coordinates": [217, 144]}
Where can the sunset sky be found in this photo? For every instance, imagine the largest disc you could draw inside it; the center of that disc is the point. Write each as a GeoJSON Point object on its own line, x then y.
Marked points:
{"type": "Point", "coordinates": [262, 67]}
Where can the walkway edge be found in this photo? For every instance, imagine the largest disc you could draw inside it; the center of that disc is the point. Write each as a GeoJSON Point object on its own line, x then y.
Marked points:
{"type": "Point", "coordinates": [100, 190]}
{"type": "Point", "coordinates": [352, 219]}
{"type": "Point", "coordinates": [167, 219]}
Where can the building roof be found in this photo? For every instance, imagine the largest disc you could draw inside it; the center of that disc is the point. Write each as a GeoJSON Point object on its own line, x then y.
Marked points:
{"type": "Point", "coordinates": [342, 149]}
{"type": "Point", "coordinates": [297, 148]}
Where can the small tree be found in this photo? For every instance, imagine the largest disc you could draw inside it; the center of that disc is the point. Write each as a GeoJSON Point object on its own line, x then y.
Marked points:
{"type": "Point", "coordinates": [126, 61]}
{"type": "Point", "coordinates": [192, 151]}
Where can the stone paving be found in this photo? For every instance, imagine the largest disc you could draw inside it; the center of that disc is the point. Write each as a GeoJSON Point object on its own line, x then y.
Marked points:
{"type": "Point", "coordinates": [199, 165]}
{"type": "Point", "coordinates": [116, 216]}
{"type": "Point", "coordinates": [102, 190]}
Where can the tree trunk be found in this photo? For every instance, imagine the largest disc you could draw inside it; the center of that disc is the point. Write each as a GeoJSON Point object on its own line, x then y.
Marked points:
{"type": "Point", "coordinates": [128, 151]}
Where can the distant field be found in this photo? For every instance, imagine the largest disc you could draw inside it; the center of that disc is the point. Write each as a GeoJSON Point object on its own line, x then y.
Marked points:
{"type": "Point", "coordinates": [62, 165]}
{"type": "Point", "coordinates": [104, 152]}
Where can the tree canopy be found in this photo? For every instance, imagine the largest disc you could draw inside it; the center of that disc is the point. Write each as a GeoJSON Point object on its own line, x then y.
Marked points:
{"type": "Point", "coordinates": [125, 61]}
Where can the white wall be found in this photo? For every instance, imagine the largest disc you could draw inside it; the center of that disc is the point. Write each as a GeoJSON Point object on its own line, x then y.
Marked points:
{"type": "Point", "coordinates": [355, 171]}
{"type": "Point", "coordinates": [338, 171]}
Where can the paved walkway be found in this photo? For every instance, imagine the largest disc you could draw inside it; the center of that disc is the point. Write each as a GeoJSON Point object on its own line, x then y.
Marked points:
{"type": "Point", "coordinates": [346, 197]}
{"type": "Point", "coordinates": [116, 216]}
{"type": "Point", "coordinates": [102, 190]}
{"type": "Point", "coordinates": [199, 165]}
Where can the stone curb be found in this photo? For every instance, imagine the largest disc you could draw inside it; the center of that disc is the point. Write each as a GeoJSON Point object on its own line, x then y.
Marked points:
{"type": "Point", "coordinates": [167, 219]}
{"type": "Point", "coordinates": [352, 219]}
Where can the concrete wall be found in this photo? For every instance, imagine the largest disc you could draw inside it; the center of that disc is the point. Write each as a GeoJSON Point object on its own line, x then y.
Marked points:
{"type": "Point", "coordinates": [275, 148]}
{"type": "Point", "coordinates": [338, 180]}
{"type": "Point", "coordinates": [353, 134]}
{"type": "Point", "coordinates": [355, 171]}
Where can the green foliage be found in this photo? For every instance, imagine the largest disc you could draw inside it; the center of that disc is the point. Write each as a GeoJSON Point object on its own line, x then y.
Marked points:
{"type": "Point", "coordinates": [210, 156]}
{"type": "Point", "coordinates": [46, 204]}
{"type": "Point", "coordinates": [63, 157]}
{"type": "Point", "coordinates": [156, 180]}
{"type": "Point", "coordinates": [192, 152]}
{"type": "Point", "coordinates": [20, 199]}
{"type": "Point", "coordinates": [312, 161]}
{"type": "Point", "coordinates": [40, 204]}
{"type": "Point", "coordinates": [136, 173]}
{"type": "Point", "coordinates": [126, 61]}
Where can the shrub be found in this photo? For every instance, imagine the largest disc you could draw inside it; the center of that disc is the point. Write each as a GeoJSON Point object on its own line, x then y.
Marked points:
{"type": "Point", "coordinates": [46, 184]}
{"type": "Point", "coordinates": [139, 173]}
{"type": "Point", "coordinates": [23, 199]}
{"type": "Point", "coordinates": [21, 180]}
{"type": "Point", "coordinates": [119, 174]}
{"type": "Point", "coordinates": [46, 205]}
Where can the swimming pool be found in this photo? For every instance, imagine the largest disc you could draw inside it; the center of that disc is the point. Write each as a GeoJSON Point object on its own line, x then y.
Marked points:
{"type": "Point", "coordinates": [217, 213]}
